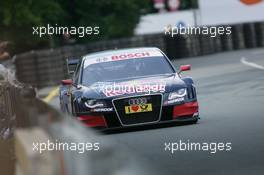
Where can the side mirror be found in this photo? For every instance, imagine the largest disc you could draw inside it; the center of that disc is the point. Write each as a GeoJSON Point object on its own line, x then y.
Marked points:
{"type": "Point", "coordinates": [184, 68]}
{"type": "Point", "coordinates": [66, 82]}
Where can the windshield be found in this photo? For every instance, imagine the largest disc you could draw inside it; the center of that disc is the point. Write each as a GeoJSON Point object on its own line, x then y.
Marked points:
{"type": "Point", "coordinates": [123, 69]}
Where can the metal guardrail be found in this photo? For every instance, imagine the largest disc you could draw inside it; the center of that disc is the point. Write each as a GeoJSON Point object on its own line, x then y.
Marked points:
{"type": "Point", "coordinates": [48, 67]}
{"type": "Point", "coordinates": [33, 121]}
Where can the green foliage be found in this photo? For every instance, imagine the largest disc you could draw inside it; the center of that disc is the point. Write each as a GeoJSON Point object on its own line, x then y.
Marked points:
{"type": "Point", "coordinates": [116, 18]}
{"type": "Point", "coordinates": [18, 17]}
{"type": "Point", "coordinates": [29, 12]}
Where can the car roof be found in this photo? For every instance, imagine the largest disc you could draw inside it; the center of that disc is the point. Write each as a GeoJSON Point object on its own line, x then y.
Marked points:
{"type": "Point", "coordinates": [121, 51]}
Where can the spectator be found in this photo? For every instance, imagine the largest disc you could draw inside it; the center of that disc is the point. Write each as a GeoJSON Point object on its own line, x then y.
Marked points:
{"type": "Point", "coordinates": [4, 55]}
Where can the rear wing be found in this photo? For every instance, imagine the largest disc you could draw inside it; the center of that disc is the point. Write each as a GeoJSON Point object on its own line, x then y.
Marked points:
{"type": "Point", "coordinates": [71, 65]}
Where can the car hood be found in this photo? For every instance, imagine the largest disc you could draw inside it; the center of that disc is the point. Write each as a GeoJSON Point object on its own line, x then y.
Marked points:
{"type": "Point", "coordinates": [134, 86]}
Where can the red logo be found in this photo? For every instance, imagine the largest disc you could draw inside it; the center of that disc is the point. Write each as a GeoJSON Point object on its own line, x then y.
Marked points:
{"type": "Point", "coordinates": [129, 56]}
{"type": "Point", "coordinates": [135, 108]}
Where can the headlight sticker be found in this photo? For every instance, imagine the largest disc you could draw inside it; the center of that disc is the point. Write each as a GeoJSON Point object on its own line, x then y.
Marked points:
{"type": "Point", "coordinates": [181, 99]}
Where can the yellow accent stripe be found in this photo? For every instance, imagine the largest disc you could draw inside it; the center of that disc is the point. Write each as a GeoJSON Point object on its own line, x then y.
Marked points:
{"type": "Point", "coordinates": [53, 93]}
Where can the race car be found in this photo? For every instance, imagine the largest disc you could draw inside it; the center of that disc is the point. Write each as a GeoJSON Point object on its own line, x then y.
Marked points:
{"type": "Point", "coordinates": [129, 87]}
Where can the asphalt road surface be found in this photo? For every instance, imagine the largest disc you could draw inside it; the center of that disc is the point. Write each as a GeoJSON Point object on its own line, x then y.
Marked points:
{"type": "Point", "coordinates": [230, 89]}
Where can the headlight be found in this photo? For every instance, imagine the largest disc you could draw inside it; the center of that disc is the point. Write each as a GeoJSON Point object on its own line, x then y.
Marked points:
{"type": "Point", "coordinates": [93, 103]}
{"type": "Point", "coordinates": [179, 93]}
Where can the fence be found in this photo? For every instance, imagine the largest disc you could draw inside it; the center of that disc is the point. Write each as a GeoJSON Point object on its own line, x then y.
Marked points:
{"type": "Point", "coordinates": [48, 67]}
{"type": "Point", "coordinates": [33, 121]}
{"type": "Point", "coordinates": [6, 118]}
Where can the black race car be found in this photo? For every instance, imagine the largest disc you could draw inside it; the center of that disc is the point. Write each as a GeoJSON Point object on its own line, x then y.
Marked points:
{"type": "Point", "coordinates": [129, 87]}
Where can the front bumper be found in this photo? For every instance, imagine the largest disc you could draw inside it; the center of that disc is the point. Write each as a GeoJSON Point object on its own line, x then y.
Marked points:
{"type": "Point", "coordinates": [176, 113]}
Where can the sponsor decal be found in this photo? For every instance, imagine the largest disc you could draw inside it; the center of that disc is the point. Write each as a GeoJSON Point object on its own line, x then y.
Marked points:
{"type": "Point", "coordinates": [137, 105]}
{"type": "Point", "coordinates": [104, 59]}
{"type": "Point", "coordinates": [138, 108]}
{"type": "Point", "coordinates": [130, 55]}
{"type": "Point", "coordinates": [121, 56]}
{"type": "Point", "coordinates": [102, 110]}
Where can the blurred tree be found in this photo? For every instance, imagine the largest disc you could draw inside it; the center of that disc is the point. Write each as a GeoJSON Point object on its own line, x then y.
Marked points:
{"type": "Point", "coordinates": [29, 12]}
{"type": "Point", "coordinates": [116, 18]}
{"type": "Point", "coordinates": [18, 17]}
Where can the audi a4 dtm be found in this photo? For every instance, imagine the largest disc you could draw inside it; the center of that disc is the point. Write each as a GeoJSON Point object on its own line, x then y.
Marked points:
{"type": "Point", "coordinates": [129, 87]}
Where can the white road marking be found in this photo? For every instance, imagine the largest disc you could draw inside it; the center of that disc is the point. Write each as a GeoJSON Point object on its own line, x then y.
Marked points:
{"type": "Point", "coordinates": [258, 52]}
{"type": "Point", "coordinates": [244, 61]}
